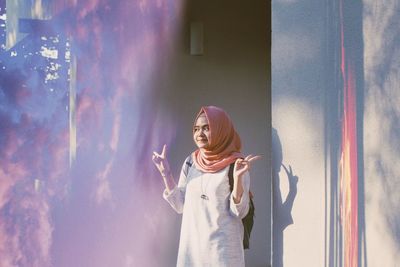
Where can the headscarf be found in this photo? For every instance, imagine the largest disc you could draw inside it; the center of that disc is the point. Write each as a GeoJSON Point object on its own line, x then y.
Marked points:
{"type": "Point", "coordinates": [224, 143]}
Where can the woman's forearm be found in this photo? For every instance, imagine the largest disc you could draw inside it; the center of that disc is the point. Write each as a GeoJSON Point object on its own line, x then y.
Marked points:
{"type": "Point", "coordinates": [238, 189]}
{"type": "Point", "coordinates": [168, 181]}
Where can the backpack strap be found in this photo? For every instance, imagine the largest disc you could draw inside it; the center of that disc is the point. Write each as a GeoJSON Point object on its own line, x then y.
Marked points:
{"type": "Point", "coordinates": [188, 165]}
{"type": "Point", "coordinates": [230, 175]}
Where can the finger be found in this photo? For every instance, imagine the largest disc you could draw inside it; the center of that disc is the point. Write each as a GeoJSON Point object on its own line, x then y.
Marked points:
{"type": "Point", "coordinates": [254, 158]}
{"type": "Point", "coordinates": [156, 154]}
{"type": "Point", "coordinates": [290, 168]}
{"type": "Point", "coordinates": [242, 166]}
{"type": "Point", "coordinates": [156, 159]}
{"type": "Point", "coordinates": [248, 157]}
{"type": "Point", "coordinates": [247, 160]}
{"type": "Point", "coordinates": [242, 162]}
{"type": "Point", "coordinates": [238, 164]}
{"type": "Point", "coordinates": [164, 150]}
{"type": "Point", "coordinates": [286, 170]}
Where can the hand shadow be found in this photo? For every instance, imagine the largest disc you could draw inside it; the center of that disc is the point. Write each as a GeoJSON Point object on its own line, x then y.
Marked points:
{"type": "Point", "coordinates": [281, 210]}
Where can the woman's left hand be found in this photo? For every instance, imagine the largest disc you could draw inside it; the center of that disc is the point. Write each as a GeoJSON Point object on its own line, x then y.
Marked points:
{"type": "Point", "coordinates": [243, 165]}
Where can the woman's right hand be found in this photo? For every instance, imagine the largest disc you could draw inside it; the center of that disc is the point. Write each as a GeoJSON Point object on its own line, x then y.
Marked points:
{"type": "Point", "coordinates": [161, 162]}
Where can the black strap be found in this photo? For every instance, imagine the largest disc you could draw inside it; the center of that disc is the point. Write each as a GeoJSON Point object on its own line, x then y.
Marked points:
{"type": "Point", "coordinates": [188, 165]}
{"type": "Point", "coordinates": [230, 175]}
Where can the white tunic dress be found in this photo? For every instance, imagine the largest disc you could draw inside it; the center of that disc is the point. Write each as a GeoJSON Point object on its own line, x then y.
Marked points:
{"type": "Point", "coordinates": [212, 229]}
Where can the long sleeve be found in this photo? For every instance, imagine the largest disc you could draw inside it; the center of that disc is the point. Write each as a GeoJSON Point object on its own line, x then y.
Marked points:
{"type": "Point", "coordinates": [176, 198]}
{"type": "Point", "coordinates": [242, 208]}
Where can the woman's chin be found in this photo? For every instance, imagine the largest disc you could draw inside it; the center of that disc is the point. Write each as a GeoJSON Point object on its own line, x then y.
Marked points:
{"type": "Point", "coordinates": [201, 146]}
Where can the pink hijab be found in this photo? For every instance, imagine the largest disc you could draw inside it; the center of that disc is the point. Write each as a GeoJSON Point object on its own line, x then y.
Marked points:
{"type": "Point", "coordinates": [224, 142]}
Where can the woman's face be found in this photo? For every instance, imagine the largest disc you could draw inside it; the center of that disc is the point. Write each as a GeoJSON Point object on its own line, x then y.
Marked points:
{"type": "Point", "coordinates": [201, 132]}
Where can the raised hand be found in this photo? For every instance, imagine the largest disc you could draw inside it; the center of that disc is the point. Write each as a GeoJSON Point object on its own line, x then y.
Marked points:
{"type": "Point", "coordinates": [161, 162]}
{"type": "Point", "coordinates": [243, 165]}
{"type": "Point", "coordinates": [293, 179]}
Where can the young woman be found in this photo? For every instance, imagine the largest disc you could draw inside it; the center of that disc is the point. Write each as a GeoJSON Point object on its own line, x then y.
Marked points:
{"type": "Point", "coordinates": [212, 229]}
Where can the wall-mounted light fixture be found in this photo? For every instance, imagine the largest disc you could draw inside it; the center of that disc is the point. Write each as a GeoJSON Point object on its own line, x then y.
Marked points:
{"type": "Point", "coordinates": [196, 39]}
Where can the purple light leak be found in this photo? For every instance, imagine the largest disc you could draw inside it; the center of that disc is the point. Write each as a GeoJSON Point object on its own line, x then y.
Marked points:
{"type": "Point", "coordinates": [106, 209]}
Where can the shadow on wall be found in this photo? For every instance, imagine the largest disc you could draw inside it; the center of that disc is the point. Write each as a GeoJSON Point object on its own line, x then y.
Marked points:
{"type": "Point", "coordinates": [281, 209]}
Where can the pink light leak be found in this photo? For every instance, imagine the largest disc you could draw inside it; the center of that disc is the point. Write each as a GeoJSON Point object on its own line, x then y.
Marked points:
{"type": "Point", "coordinates": [348, 160]}
{"type": "Point", "coordinates": [107, 209]}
